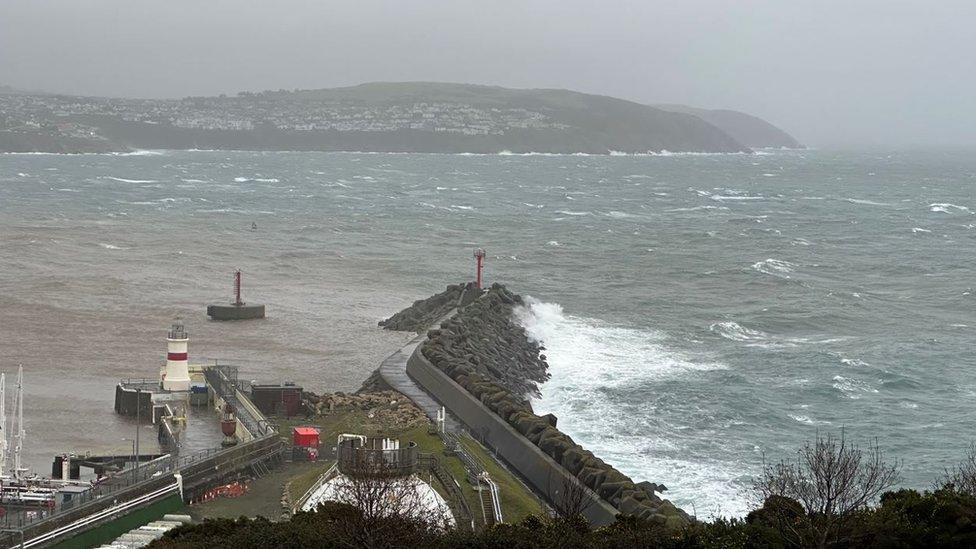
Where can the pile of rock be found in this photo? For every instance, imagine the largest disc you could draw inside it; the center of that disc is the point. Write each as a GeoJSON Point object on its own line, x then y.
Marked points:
{"type": "Point", "coordinates": [424, 313]}
{"type": "Point", "coordinates": [483, 339]}
{"type": "Point", "coordinates": [374, 383]}
{"type": "Point", "coordinates": [485, 352]}
{"type": "Point", "coordinates": [388, 408]}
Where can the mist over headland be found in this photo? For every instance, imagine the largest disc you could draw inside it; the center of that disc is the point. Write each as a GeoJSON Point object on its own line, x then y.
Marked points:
{"type": "Point", "coordinates": [841, 73]}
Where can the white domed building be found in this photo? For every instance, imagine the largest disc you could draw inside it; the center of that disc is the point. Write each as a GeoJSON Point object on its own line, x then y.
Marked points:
{"type": "Point", "coordinates": [378, 476]}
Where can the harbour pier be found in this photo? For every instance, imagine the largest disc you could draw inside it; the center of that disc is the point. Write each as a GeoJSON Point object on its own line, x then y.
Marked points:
{"type": "Point", "coordinates": [158, 486]}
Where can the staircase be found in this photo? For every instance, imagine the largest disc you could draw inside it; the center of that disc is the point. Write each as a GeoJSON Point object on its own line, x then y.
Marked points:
{"type": "Point", "coordinates": [487, 505]}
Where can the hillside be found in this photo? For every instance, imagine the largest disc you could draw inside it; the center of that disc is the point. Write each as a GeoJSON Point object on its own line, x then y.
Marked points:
{"type": "Point", "coordinates": [752, 131]}
{"type": "Point", "coordinates": [382, 117]}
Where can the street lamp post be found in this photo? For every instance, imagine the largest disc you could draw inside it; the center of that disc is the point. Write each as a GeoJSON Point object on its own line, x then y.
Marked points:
{"type": "Point", "coordinates": [138, 423]}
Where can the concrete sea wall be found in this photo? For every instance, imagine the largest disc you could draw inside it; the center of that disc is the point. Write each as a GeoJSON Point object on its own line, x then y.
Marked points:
{"type": "Point", "coordinates": [545, 475]}
{"type": "Point", "coordinates": [480, 364]}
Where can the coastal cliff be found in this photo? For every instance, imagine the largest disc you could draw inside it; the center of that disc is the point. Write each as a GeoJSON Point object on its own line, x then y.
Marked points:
{"type": "Point", "coordinates": [489, 355]}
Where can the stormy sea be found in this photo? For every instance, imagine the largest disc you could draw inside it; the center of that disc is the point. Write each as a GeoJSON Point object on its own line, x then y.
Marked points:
{"type": "Point", "coordinates": [700, 313]}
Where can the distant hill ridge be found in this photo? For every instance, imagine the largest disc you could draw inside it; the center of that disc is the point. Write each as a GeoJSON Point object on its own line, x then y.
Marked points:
{"type": "Point", "coordinates": [747, 129]}
{"type": "Point", "coordinates": [397, 117]}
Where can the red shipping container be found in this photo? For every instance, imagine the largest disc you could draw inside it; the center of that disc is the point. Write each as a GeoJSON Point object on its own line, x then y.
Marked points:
{"type": "Point", "coordinates": [307, 437]}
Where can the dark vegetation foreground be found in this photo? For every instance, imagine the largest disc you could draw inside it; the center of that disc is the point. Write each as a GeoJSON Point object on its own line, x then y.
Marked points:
{"type": "Point", "coordinates": [906, 518]}
{"type": "Point", "coordinates": [825, 497]}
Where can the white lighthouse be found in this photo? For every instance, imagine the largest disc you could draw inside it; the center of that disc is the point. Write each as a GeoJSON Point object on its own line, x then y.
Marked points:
{"type": "Point", "coordinates": [176, 376]}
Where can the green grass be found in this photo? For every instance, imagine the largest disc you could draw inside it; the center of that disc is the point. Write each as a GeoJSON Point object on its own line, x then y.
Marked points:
{"type": "Point", "coordinates": [299, 484]}
{"type": "Point", "coordinates": [517, 500]}
{"type": "Point", "coordinates": [431, 444]}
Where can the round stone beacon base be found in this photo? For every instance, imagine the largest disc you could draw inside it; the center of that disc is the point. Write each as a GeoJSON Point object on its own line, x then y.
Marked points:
{"type": "Point", "coordinates": [235, 312]}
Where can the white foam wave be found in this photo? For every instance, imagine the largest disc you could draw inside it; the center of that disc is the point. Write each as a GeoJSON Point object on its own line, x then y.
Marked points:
{"type": "Point", "coordinates": [570, 212]}
{"type": "Point", "coordinates": [620, 215]}
{"type": "Point", "coordinates": [866, 202]}
{"type": "Point", "coordinates": [721, 197]}
{"type": "Point", "coordinates": [774, 267]}
{"type": "Point", "coordinates": [109, 246]}
{"type": "Point", "coordinates": [917, 230]}
{"type": "Point", "coordinates": [945, 207]}
{"type": "Point", "coordinates": [807, 420]}
{"type": "Point", "coordinates": [588, 357]}
{"type": "Point", "coordinates": [146, 152]}
{"type": "Point", "coordinates": [233, 210]}
{"type": "Point", "coordinates": [665, 152]}
{"type": "Point", "coordinates": [256, 179]}
{"type": "Point", "coordinates": [611, 152]}
{"type": "Point", "coordinates": [733, 331]}
{"type": "Point", "coordinates": [737, 332]}
{"type": "Point", "coordinates": [855, 362]}
{"type": "Point", "coordinates": [583, 349]}
{"type": "Point", "coordinates": [124, 180]}
{"type": "Point", "coordinates": [852, 388]}
{"type": "Point", "coordinates": [699, 208]}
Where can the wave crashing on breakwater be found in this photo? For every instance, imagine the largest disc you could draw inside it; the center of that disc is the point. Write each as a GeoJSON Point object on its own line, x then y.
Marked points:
{"type": "Point", "coordinates": [602, 386]}
{"type": "Point", "coordinates": [488, 353]}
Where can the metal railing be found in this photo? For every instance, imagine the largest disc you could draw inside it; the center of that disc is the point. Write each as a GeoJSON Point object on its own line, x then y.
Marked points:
{"type": "Point", "coordinates": [356, 460]}
{"type": "Point", "coordinates": [455, 498]}
{"type": "Point", "coordinates": [223, 377]}
{"type": "Point", "coordinates": [140, 383]}
{"type": "Point", "coordinates": [323, 478]}
{"type": "Point", "coordinates": [496, 500]}
{"type": "Point", "coordinates": [148, 474]}
{"type": "Point", "coordinates": [476, 473]}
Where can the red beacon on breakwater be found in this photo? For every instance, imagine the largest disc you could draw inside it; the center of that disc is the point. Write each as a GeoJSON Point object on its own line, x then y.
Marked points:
{"type": "Point", "coordinates": [237, 310]}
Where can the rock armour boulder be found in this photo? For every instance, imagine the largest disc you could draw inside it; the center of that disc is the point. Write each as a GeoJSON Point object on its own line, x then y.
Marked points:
{"type": "Point", "coordinates": [425, 312]}
{"type": "Point", "coordinates": [485, 351]}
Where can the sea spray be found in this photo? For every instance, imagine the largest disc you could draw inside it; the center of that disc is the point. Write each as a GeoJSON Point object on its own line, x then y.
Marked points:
{"type": "Point", "coordinates": [488, 353]}
{"type": "Point", "coordinates": [593, 364]}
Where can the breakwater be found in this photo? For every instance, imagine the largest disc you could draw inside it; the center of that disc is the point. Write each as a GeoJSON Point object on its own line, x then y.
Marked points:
{"type": "Point", "coordinates": [424, 313]}
{"type": "Point", "coordinates": [483, 352]}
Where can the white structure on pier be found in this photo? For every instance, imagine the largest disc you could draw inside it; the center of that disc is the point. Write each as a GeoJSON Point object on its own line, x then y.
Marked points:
{"type": "Point", "coordinates": [176, 375]}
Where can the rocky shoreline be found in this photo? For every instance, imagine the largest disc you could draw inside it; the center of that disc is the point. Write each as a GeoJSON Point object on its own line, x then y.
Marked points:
{"type": "Point", "coordinates": [485, 351]}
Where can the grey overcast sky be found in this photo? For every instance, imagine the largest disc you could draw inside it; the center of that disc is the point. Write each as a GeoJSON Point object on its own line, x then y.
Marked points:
{"type": "Point", "coordinates": [854, 72]}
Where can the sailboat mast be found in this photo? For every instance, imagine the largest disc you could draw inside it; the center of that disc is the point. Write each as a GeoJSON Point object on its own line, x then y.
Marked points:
{"type": "Point", "coordinates": [3, 423]}
{"type": "Point", "coordinates": [19, 419]}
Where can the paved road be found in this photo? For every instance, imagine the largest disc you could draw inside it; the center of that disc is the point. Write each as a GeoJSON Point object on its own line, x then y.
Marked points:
{"type": "Point", "coordinates": [394, 372]}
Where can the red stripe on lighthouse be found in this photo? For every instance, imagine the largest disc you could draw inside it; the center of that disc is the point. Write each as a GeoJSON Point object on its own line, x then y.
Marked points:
{"type": "Point", "coordinates": [175, 356]}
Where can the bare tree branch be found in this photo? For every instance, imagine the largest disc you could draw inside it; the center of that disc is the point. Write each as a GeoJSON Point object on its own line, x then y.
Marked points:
{"type": "Point", "coordinates": [569, 499]}
{"type": "Point", "coordinates": [811, 499]}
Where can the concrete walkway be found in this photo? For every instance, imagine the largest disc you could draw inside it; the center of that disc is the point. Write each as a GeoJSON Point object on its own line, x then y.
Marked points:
{"type": "Point", "coordinates": [394, 373]}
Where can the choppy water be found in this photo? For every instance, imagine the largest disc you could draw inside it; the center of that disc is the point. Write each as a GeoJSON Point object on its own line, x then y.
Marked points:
{"type": "Point", "coordinates": [699, 311]}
